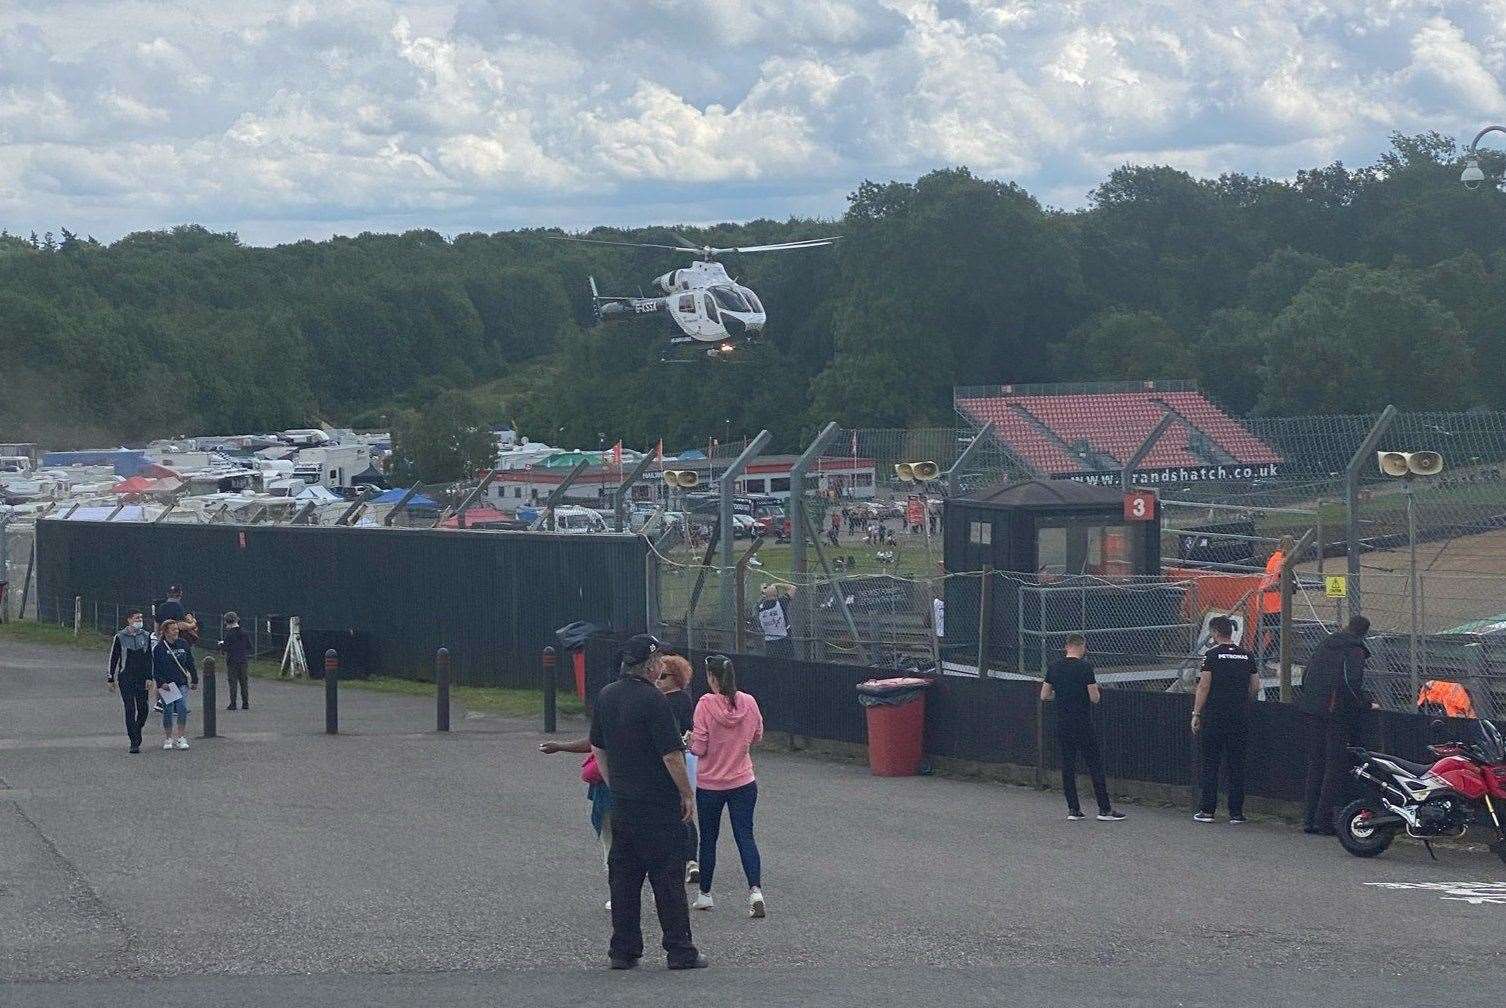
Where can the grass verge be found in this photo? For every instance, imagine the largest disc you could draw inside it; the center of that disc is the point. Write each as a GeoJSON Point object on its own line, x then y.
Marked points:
{"type": "Point", "coordinates": [506, 702]}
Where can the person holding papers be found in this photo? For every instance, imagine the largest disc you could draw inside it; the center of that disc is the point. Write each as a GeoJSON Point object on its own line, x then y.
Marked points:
{"type": "Point", "coordinates": [172, 664]}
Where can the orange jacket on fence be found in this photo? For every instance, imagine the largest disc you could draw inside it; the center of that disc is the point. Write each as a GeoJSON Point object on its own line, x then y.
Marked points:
{"type": "Point", "coordinates": [1270, 588]}
{"type": "Point", "coordinates": [1452, 697]}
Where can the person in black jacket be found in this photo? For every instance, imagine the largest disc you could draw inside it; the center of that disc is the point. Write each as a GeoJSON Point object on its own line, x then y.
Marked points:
{"type": "Point", "coordinates": [130, 671]}
{"type": "Point", "coordinates": [237, 648]}
{"type": "Point", "coordinates": [1333, 689]}
{"type": "Point", "coordinates": [673, 679]}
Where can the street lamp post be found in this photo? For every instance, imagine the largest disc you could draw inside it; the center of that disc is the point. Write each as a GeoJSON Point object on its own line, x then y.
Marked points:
{"type": "Point", "coordinates": [1473, 176]}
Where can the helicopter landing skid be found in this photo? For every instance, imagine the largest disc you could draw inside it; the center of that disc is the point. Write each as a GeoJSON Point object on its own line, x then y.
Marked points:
{"type": "Point", "coordinates": [684, 349]}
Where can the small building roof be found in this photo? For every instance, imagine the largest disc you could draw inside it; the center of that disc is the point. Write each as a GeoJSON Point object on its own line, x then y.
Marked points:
{"type": "Point", "coordinates": [1038, 494]}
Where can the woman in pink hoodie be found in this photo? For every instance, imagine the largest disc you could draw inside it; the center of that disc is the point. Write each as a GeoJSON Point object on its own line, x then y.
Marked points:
{"type": "Point", "coordinates": [726, 725]}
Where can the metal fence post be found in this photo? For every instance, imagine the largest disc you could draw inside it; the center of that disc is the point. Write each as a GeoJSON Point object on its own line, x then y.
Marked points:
{"type": "Point", "coordinates": [331, 693]}
{"type": "Point", "coordinates": [442, 689]}
{"type": "Point", "coordinates": [985, 615]}
{"type": "Point", "coordinates": [211, 709]}
{"type": "Point", "coordinates": [802, 610]}
{"type": "Point", "coordinates": [546, 661]}
{"type": "Point", "coordinates": [1351, 503]}
{"type": "Point", "coordinates": [726, 483]}
{"type": "Point", "coordinates": [1288, 589]}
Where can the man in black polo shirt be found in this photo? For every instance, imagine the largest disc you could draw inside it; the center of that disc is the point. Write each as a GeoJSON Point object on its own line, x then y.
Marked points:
{"type": "Point", "coordinates": [638, 748]}
{"type": "Point", "coordinates": [1071, 683]}
{"type": "Point", "coordinates": [1220, 717]}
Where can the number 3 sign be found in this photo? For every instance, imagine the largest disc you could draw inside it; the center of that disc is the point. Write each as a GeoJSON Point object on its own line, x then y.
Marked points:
{"type": "Point", "coordinates": [1140, 506]}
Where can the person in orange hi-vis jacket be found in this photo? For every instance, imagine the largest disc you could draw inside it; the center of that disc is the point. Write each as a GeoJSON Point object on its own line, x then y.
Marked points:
{"type": "Point", "coordinates": [1451, 697]}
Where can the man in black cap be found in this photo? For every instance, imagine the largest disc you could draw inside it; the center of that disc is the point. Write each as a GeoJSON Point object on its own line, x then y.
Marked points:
{"type": "Point", "coordinates": [639, 750]}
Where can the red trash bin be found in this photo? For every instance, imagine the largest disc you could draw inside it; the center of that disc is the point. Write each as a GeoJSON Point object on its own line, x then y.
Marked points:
{"type": "Point", "coordinates": [896, 710]}
{"type": "Point", "coordinates": [578, 661]}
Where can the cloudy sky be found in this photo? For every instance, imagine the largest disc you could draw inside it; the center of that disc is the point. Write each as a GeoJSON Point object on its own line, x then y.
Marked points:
{"type": "Point", "coordinates": [284, 120]}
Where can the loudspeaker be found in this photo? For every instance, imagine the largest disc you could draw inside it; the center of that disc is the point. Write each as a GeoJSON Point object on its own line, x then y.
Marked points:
{"type": "Point", "coordinates": [1425, 463]}
{"type": "Point", "coordinates": [1392, 463]}
{"type": "Point", "coordinates": [1422, 463]}
{"type": "Point", "coordinates": [905, 471]}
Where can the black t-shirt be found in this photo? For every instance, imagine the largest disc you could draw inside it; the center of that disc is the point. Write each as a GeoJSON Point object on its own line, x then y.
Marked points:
{"type": "Point", "coordinates": [1070, 679]}
{"type": "Point", "coordinates": [1229, 688]}
{"type": "Point", "coordinates": [684, 708]}
{"type": "Point", "coordinates": [170, 609]}
{"type": "Point", "coordinates": [634, 725]}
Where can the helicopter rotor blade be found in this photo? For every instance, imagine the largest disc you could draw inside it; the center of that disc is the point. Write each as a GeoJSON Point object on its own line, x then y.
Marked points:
{"type": "Point", "coordinates": [782, 246]}
{"type": "Point", "coordinates": [598, 241]}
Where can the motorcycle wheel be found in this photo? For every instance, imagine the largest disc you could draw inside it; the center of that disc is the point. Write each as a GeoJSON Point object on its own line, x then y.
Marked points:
{"type": "Point", "coordinates": [1357, 835]}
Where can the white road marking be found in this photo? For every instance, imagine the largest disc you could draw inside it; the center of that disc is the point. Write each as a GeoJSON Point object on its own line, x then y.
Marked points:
{"type": "Point", "coordinates": [1473, 893]}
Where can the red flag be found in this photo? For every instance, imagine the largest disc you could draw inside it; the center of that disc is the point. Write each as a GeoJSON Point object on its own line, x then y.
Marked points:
{"type": "Point", "coordinates": [617, 453]}
{"type": "Point", "coordinates": [659, 454]}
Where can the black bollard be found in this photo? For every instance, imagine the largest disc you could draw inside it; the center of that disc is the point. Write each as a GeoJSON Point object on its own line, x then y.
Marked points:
{"type": "Point", "coordinates": [547, 661]}
{"type": "Point", "coordinates": [331, 693]}
{"type": "Point", "coordinates": [442, 688]}
{"type": "Point", "coordinates": [211, 711]}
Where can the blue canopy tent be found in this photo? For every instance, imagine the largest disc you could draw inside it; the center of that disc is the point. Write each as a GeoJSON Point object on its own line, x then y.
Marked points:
{"type": "Point", "coordinates": [418, 502]}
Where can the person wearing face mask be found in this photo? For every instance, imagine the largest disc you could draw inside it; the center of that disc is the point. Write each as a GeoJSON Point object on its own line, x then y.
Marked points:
{"type": "Point", "coordinates": [131, 670]}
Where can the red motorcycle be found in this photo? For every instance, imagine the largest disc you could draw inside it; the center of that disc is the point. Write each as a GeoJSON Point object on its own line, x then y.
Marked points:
{"type": "Point", "coordinates": [1464, 787]}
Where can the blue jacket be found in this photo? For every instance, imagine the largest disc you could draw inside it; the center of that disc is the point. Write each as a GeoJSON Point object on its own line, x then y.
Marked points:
{"type": "Point", "coordinates": [173, 664]}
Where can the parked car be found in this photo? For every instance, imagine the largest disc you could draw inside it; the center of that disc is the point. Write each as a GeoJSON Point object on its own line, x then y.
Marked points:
{"type": "Point", "coordinates": [571, 520]}
{"type": "Point", "coordinates": [744, 526]}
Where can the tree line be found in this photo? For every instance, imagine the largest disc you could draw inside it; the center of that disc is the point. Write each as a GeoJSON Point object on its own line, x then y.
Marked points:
{"type": "Point", "coordinates": [1336, 291]}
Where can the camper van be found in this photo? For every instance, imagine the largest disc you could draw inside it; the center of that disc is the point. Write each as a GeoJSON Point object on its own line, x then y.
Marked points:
{"type": "Point", "coordinates": [572, 521]}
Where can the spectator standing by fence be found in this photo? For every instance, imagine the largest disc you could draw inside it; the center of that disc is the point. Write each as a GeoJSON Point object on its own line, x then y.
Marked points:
{"type": "Point", "coordinates": [237, 648]}
{"type": "Point", "coordinates": [130, 671]}
{"type": "Point", "coordinates": [728, 724]}
{"type": "Point", "coordinates": [774, 620]}
{"type": "Point", "coordinates": [172, 664]}
{"type": "Point", "coordinates": [1229, 680]}
{"type": "Point", "coordinates": [170, 609]}
{"type": "Point", "coordinates": [1073, 687]}
{"type": "Point", "coordinates": [1333, 689]}
{"type": "Point", "coordinates": [641, 757]}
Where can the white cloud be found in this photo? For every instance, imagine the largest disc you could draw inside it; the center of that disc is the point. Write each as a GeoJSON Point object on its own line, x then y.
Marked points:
{"type": "Point", "coordinates": [285, 119]}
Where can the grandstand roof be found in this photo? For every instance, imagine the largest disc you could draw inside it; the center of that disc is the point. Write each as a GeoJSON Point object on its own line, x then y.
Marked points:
{"type": "Point", "coordinates": [1067, 431]}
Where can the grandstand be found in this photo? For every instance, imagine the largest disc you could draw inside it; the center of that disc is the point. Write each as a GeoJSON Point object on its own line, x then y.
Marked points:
{"type": "Point", "coordinates": [1088, 432]}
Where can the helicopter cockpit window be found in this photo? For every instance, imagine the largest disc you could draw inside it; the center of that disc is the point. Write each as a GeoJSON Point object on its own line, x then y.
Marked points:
{"type": "Point", "coordinates": [730, 299]}
{"type": "Point", "coordinates": [752, 300]}
{"type": "Point", "coordinates": [687, 303]}
{"type": "Point", "coordinates": [711, 312]}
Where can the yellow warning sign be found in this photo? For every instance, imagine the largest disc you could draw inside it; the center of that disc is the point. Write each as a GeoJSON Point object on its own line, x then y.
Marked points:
{"type": "Point", "coordinates": [1336, 586]}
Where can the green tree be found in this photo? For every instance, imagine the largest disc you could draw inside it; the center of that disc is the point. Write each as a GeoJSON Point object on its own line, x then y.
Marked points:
{"type": "Point", "coordinates": [1119, 345]}
{"type": "Point", "coordinates": [445, 441]}
{"type": "Point", "coordinates": [1357, 338]}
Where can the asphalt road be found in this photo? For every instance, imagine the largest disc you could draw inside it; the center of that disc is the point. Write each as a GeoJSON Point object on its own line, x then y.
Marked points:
{"type": "Point", "coordinates": [394, 866]}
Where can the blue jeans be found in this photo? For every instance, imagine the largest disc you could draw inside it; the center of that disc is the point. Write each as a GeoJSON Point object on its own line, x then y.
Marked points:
{"type": "Point", "coordinates": [739, 803]}
{"type": "Point", "coordinates": [177, 709]}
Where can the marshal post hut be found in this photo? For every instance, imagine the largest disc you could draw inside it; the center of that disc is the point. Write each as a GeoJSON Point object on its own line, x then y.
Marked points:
{"type": "Point", "coordinates": [1066, 557]}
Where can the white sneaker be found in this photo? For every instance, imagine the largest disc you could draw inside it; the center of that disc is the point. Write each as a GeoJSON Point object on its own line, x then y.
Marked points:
{"type": "Point", "coordinates": [182, 742]}
{"type": "Point", "coordinates": [167, 743]}
{"type": "Point", "coordinates": [755, 902]}
{"type": "Point", "coordinates": [692, 872]}
{"type": "Point", "coordinates": [703, 901]}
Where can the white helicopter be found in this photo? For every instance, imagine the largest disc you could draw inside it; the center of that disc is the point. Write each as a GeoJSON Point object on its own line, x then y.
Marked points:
{"type": "Point", "coordinates": [707, 307]}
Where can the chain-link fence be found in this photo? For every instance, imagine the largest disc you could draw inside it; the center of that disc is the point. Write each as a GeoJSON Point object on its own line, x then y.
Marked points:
{"type": "Point", "coordinates": [17, 570]}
